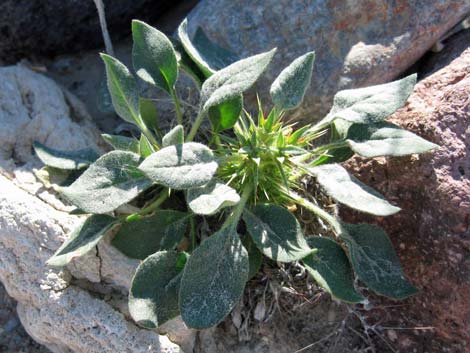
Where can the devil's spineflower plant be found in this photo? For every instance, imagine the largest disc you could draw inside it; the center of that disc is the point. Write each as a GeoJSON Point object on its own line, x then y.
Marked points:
{"type": "Point", "coordinates": [151, 190]}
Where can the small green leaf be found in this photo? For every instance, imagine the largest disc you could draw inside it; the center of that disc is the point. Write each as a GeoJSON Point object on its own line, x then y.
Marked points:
{"type": "Point", "coordinates": [230, 82]}
{"type": "Point", "coordinates": [276, 233]}
{"type": "Point", "coordinates": [288, 90]}
{"type": "Point", "coordinates": [141, 237]}
{"type": "Point", "coordinates": [213, 280]}
{"type": "Point", "coordinates": [385, 139]}
{"type": "Point", "coordinates": [69, 160]}
{"type": "Point", "coordinates": [153, 296]}
{"type": "Point", "coordinates": [122, 143]}
{"type": "Point", "coordinates": [208, 56]}
{"type": "Point", "coordinates": [225, 115]}
{"type": "Point", "coordinates": [123, 89]}
{"type": "Point", "coordinates": [153, 56]}
{"type": "Point", "coordinates": [330, 268]}
{"type": "Point", "coordinates": [346, 189]}
{"type": "Point", "coordinates": [375, 262]}
{"type": "Point", "coordinates": [371, 104]}
{"type": "Point", "coordinates": [183, 166]}
{"type": "Point", "coordinates": [148, 112]}
{"type": "Point", "coordinates": [145, 147]}
{"type": "Point", "coordinates": [255, 257]}
{"type": "Point", "coordinates": [82, 240]}
{"type": "Point", "coordinates": [110, 182]}
{"type": "Point", "coordinates": [174, 137]}
{"type": "Point", "coordinates": [210, 198]}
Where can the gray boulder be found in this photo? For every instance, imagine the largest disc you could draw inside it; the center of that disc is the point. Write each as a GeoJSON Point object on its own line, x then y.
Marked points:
{"type": "Point", "coordinates": [53, 27]}
{"type": "Point", "coordinates": [357, 43]}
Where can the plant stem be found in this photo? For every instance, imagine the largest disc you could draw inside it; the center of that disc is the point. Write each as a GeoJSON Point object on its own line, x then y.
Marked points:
{"type": "Point", "coordinates": [236, 214]}
{"type": "Point", "coordinates": [332, 221]}
{"type": "Point", "coordinates": [179, 115]}
{"type": "Point", "coordinates": [193, 232]}
{"type": "Point", "coordinates": [149, 135]}
{"type": "Point", "coordinates": [153, 205]}
{"type": "Point", "coordinates": [195, 127]}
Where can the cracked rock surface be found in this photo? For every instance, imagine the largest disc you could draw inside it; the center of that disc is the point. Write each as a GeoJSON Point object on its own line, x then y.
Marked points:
{"type": "Point", "coordinates": [55, 307]}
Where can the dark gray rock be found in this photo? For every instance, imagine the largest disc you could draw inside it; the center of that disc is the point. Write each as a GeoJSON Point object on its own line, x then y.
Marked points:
{"type": "Point", "coordinates": [50, 27]}
{"type": "Point", "coordinates": [357, 43]}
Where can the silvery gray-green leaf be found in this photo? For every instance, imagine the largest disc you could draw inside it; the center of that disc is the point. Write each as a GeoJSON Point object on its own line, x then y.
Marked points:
{"type": "Point", "coordinates": [330, 268]}
{"type": "Point", "coordinates": [375, 262]}
{"type": "Point", "coordinates": [191, 50]}
{"type": "Point", "coordinates": [230, 82]}
{"type": "Point", "coordinates": [210, 198]}
{"type": "Point", "coordinates": [122, 143]}
{"type": "Point", "coordinates": [141, 237]}
{"type": "Point", "coordinates": [174, 137]}
{"type": "Point", "coordinates": [82, 240]}
{"type": "Point", "coordinates": [276, 232]}
{"type": "Point", "coordinates": [370, 104]}
{"type": "Point", "coordinates": [215, 56]}
{"type": "Point", "coordinates": [288, 89]}
{"type": "Point", "coordinates": [213, 280]}
{"type": "Point", "coordinates": [145, 147]}
{"type": "Point", "coordinates": [69, 160]}
{"type": "Point", "coordinates": [385, 139]}
{"type": "Point", "coordinates": [123, 89]}
{"type": "Point", "coordinates": [148, 113]}
{"type": "Point", "coordinates": [225, 115]}
{"type": "Point", "coordinates": [153, 296]}
{"type": "Point", "coordinates": [187, 64]}
{"type": "Point", "coordinates": [348, 190]}
{"type": "Point", "coordinates": [110, 182]}
{"type": "Point", "coordinates": [180, 167]}
{"type": "Point", "coordinates": [153, 56]}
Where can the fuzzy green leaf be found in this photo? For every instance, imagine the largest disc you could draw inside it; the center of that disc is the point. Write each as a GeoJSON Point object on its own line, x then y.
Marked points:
{"type": "Point", "coordinates": [210, 198]}
{"type": "Point", "coordinates": [145, 147]}
{"type": "Point", "coordinates": [215, 56]}
{"type": "Point", "coordinates": [330, 268]}
{"type": "Point", "coordinates": [153, 56]}
{"type": "Point", "coordinates": [187, 64]}
{"type": "Point", "coordinates": [385, 139]}
{"type": "Point", "coordinates": [208, 56]}
{"type": "Point", "coordinates": [276, 232]}
{"type": "Point", "coordinates": [371, 104]}
{"type": "Point", "coordinates": [82, 240]}
{"type": "Point", "coordinates": [346, 189]}
{"type": "Point", "coordinates": [122, 143]}
{"type": "Point", "coordinates": [288, 90]}
{"type": "Point", "coordinates": [183, 166]}
{"type": "Point", "coordinates": [123, 89]}
{"type": "Point", "coordinates": [213, 280]}
{"type": "Point", "coordinates": [141, 237]}
{"type": "Point", "coordinates": [148, 112]}
{"type": "Point", "coordinates": [375, 262]}
{"type": "Point", "coordinates": [225, 115]}
{"type": "Point", "coordinates": [230, 82]}
{"type": "Point", "coordinates": [153, 296]}
{"type": "Point", "coordinates": [110, 182]}
{"type": "Point", "coordinates": [68, 160]}
{"type": "Point", "coordinates": [174, 137]}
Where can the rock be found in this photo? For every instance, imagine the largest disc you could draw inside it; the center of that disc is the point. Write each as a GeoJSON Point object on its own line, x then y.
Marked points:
{"type": "Point", "coordinates": [54, 27]}
{"type": "Point", "coordinates": [357, 43]}
{"type": "Point", "coordinates": [78, 309]}
{"type": "Point", "coordinates": [432, 232]}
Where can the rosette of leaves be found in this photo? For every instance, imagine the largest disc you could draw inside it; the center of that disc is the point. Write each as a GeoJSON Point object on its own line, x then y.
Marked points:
{"type": "Point", "coordinates": [249, 172]}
